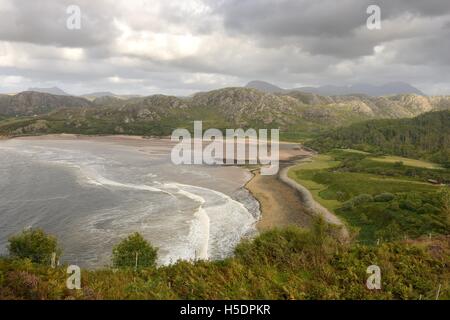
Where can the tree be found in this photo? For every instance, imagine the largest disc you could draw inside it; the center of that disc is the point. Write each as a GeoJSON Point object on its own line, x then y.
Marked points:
{"type": "Point", "coordinates": [134, 252]}
{"type": "Point", "coordinates": [35, 245]}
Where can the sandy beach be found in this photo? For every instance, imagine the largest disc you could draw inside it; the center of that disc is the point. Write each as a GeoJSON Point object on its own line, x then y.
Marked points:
{"type": "Point", "coordinates": [280, 204]}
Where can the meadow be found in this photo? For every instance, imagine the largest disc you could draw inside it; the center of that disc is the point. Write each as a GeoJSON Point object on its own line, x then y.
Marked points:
{"type": "Point", "coordinates": [379, 198]}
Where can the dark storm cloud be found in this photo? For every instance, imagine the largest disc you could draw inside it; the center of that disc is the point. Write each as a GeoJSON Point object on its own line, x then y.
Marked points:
{"type": "Point", "coordinates": [316, 18]}
{"type": "Point", "coordinates": [292, 18]}
{"type": "Point", "coordinates": [321, 27]}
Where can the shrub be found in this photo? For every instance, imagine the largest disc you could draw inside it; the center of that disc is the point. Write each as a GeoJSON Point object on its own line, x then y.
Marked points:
{"type": "Point", "coordinates": [394, 205]}
{"type": "Point", "coordinates": [428, 209]}
{"type": "Point", "coordinates": [391, 232]}
{"type": "Point", "coordinates": [362, 198]}
{"type": "Point", "coordinates": [398, 164]}
{"type": "Point", "coordinates": [341, 196]}
{"type": "Point", "coordinates": [348, 205]}
{"type": "Point", "coordinates": [272, 246]}
{"type": "Point", "coordinates": [384, 197]}
{"type": "Point", "coordinates": [408, 205]}
{"type": "Point", "coordinates": [35, 245]}
{"type": "Point", "coordinates": [134, 252]}
{"type": "Point", "coordinates": [24, 284]}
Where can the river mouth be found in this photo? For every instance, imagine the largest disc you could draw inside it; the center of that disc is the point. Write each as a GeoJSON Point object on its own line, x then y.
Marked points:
{"type": "Point", "coordinates": [91, 193]}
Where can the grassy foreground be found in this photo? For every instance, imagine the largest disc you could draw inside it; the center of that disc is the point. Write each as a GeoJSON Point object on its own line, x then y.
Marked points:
{"type": "Point", "coordinates": [279, 264]}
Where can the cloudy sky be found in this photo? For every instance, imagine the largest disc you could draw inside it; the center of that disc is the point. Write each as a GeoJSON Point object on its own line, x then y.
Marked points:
{"type": "Point", "coordinates": [179, 47]}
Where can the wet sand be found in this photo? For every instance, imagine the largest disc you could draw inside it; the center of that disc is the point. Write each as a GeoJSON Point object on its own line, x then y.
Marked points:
{"type": "Point", "coordinates": [280, 204]}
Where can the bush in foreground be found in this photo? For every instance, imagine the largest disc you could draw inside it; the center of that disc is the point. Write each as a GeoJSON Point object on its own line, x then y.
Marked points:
{"type": "Point", "coordinates": [134, 252]}
{"type": "Point", "coordinates": [35, 245]}
{"type": "Point", "coordinates": [289, 263]}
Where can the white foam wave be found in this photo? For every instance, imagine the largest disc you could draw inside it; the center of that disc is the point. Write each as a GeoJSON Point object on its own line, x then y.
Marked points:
{"type": "Point", "coordinates": [218, 223]}
{"type": "Point", "coordinates": [94, 178]}
{"type": "Point", "coordinates": [199, 232]}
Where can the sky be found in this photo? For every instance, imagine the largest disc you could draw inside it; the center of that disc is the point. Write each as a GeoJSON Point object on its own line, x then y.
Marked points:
{"type": "Point", "coordinates": [181, 47]}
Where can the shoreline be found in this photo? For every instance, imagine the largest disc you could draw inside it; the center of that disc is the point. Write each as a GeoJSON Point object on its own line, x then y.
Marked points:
{"type": "Point", "coordinates": [282, 201]}
{"type": "Point", "coordinates": [312, 205]}
{"type": "Point", "coordinates": [279, 203]}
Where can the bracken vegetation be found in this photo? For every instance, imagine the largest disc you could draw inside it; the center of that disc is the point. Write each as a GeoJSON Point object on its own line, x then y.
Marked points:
{"type": "Point", "coordinates": [280, 264]}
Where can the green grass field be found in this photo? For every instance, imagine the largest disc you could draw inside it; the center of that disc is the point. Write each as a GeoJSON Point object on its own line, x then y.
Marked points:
{"type": "Point", "coordinates": [408, 162]}
{"type": "Point", "coordinates": [354, 185]}
{"type": "Point", "coordinates": [355, 151]}
{"type": "Point", "coordinates": [300, 174]}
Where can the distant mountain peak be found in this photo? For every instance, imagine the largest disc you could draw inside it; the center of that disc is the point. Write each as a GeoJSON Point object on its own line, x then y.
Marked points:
{"type": "Point", "coordinates": [264, 86]}
{"type": "Point", "coordinates": [51, 90]}
{"type": "Point", "coordinates": [387, 89]}
{"type": "Point", "coordinates": [100, 94]}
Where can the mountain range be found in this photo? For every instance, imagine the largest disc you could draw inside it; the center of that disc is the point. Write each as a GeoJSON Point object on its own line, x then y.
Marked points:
{"type": "Point", "coordinates": [291, 111]}
{"type": "Point", "coordinates": [52, 90]}
{"type": "Point", "coordinates": [90, 96]}
{"type": "Point", "coordinates": [392, 88]}
{"type": "Point", "coordinates": [387, 89]}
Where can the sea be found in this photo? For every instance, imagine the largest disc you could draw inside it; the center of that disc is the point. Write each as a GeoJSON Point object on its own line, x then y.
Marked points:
{"type": "Point", "coordinates": [92, 193]}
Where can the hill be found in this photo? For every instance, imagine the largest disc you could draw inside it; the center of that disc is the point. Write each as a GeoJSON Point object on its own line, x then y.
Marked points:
{"type": "Point", "coordinates": [303, 114]}
{"type": "Point", "coordinates": [426, 136]}
{"type": "Point", "coordinates": [106, 94]}
{"type": "Point", "coordinates": [94, 95]}
{"type": "Point", "coordinates": [263, 86]}
{"type": "Point", "coordinates": [30, 103]}
{"type": "Point", "coordinates": [387, 89]}
{"type": "Point", "coordinates": [52, 90]}
{"type": "Point", "coordinates": [393, 88]}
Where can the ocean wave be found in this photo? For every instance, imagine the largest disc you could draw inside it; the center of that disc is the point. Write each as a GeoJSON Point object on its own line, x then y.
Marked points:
{"type": "Point", "coordinates": [199, 230]}
{"type": "Point", "coordinates": [219, 224]}
{"type": "Point", "coordinates": [94, 178]}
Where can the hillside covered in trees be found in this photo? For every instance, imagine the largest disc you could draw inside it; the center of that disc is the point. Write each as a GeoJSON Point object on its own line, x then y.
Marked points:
{"type": "Point", "coordinates": [426, 136]}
